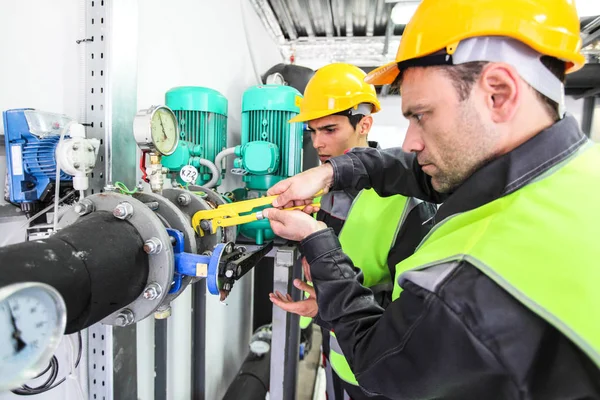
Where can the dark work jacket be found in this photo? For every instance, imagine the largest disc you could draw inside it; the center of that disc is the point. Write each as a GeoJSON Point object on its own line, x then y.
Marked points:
{"type": "Point", "coordinates": [417, 224]}
{"type": "Point", "coordinates": [468, 338]}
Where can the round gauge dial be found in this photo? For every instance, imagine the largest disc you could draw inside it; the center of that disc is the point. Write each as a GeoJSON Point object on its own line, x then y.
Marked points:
{"type": "Point", "coordinates": [32, 321]}
{"type": "Point", "coordinates": [164, 131]}
{"type": "Point", "coordinates": [156, 130]}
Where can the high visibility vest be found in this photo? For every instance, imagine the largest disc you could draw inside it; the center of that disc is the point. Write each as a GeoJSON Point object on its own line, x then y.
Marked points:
{"type": "Point", "coordinates": [367, 237]}
{"type": "Point", "coordinates": [539, 243]}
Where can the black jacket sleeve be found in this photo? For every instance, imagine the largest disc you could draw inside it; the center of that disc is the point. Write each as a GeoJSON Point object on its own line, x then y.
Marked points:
{"type": "Point", "coordinates": [414, 349]}
{"type": "Point", "coordinates": [388, 172]}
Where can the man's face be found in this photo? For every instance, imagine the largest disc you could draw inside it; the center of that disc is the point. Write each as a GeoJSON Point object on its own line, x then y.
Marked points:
{"type": "Point", "coordinates": [450, 137]}
{"type": "Point", "coordinates": [333, 134]}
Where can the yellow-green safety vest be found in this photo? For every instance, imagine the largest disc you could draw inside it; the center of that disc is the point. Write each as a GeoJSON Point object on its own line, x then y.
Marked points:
{"type": "Point", "coordinates": [367, 236]}
{"type": "Point", "coordinates": [540, 244]}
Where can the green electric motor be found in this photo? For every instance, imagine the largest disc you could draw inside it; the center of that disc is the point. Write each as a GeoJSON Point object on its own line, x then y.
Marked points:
{"type": "Point", "coordinates": [271, 147]}
{"type": "Point", "coordinates": [202, 116]}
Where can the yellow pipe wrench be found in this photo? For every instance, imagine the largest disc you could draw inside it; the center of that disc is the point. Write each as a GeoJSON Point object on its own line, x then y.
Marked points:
{"type": "Point", "coordinates": [229, 214]}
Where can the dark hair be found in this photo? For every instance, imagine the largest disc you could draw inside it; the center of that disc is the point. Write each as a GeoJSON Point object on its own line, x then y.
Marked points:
{"type": "Point", "coordinates": [463, 77]}
{"type": "Point", "coordinates": [353, 118]}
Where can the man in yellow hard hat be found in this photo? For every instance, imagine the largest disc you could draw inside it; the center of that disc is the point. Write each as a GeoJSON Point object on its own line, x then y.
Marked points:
{"type": "Point", "coordinates": [337, 108]}
{"type": "Point", "coordinates": [501, 299]}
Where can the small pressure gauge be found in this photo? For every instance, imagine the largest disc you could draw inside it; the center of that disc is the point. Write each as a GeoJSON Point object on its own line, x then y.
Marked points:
{"type": "Point", "coordinates": [156, 130]}
{"type": "Point", "coordinates": [33, 317]}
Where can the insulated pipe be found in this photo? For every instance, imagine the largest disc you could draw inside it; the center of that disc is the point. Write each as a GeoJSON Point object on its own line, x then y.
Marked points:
{"type": "Point", "coordinates": [252, 380]}
{"type": "Point", "coordinates": [97, 264]}
{"type": "Point", "coordinates": [225, 153]}
{"type": "Point", "coordinates": [215, 172]}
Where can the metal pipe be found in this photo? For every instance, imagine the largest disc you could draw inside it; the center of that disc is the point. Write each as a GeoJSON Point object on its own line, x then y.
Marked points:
{"type": "Point", "coordinates": [160, 359]}
{"type": "Point", "coordinates": [198, 340]}
{"type": "Point", "coordinates": [587, 118]}
{"type": "Point", "coordinates": [97, 264]}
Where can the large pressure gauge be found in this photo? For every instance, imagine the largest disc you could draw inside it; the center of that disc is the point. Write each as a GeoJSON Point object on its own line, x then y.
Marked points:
{"type": "Point", "coordinates": [32, 321]}
{"type": "Point", "coordinates": [156, 130]}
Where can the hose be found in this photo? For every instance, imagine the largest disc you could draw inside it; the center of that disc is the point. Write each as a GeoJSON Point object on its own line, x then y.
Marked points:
{"type": "Point", "coordinates": [57, 180]}
{"type": "Point", "coordinates": [215, 172]}
{"type": "Point", "coordinates": [225, 153]}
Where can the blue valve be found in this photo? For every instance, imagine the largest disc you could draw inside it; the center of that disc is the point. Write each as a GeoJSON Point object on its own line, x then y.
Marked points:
{"type": "Point", "coordinates": [188, 264]}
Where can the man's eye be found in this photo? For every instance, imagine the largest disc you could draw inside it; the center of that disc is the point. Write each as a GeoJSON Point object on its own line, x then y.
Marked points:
{"type": "Point", "coordinates": [418, 117]}
{"type": "Point", "coordinates": [330, 130]}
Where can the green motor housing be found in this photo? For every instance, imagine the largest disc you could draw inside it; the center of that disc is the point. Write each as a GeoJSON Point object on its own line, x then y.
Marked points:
{"type": "Point", "coordinates": [202, 117]}
{"type": "Point", "coordinates": [271, 147]}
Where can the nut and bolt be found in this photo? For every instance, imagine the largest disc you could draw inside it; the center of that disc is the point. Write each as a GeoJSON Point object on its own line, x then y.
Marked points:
{"type": "Point", "coordinates": [90, 149]}
{"type": "Point", "coordinates": [110, 188]}
{"type": "Point", "coordinates": [84, 207]}
{"type": "Point", "coordinates": [229, 273]}
{"type": "Point", "coordinates": [184, 199]}
{"type": "Point", "coordinates": [76, 165]}
{"type": "Point", "coordinates": [123, 210]}
{"type": "Point", "coordinates": [75, 147]}
{"type": "Point", "coordinates": [152, 291]}
{"type": "Point", "coordinates": [205, 225]}
{"type": "Point", "coordinates": [124, 318]}
{"type": "Point", "coordinates": [152, 246]}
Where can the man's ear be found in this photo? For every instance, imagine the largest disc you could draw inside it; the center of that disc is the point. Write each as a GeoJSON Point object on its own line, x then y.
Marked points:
{"type": "Point", "coordinates": [501, 87]}
{"type": "Point", "coordinates": [365, 124]}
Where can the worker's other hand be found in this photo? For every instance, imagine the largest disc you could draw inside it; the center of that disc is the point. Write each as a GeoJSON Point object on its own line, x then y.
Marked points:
{"type": "Point", "coordinates": [292, 225]}
{"type": "Point", "coordinates": [302, 188]}
{"type": "Point", "coordinates": [304, 308]}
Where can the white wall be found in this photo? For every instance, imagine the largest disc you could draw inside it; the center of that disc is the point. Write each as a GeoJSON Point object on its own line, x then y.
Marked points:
{"type": "Point", "coordinates": [182, 42]}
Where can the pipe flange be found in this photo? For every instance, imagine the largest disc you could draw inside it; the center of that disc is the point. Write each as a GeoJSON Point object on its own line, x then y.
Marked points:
{"type": "Point", "coordinates": [173, 218]}
{"type": "Point", "coordinates": [149, 226]}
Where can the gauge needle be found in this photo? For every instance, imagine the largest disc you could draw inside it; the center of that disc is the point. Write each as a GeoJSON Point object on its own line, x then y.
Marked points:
{"type": "Point", "coordinates": [163, 127]}
{"type": "Point", "coordinates": [19, 343]}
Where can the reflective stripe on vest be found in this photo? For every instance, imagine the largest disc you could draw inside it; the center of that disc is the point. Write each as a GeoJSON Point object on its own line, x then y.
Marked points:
{"type": "Point", "coordinates": [367, 237]}
{"type": "Point", "coordinates": [536, 243]}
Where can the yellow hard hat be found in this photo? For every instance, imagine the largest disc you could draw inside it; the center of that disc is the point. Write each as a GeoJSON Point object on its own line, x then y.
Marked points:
{"type": "Point", "coordinates": [335, 88]}
{"type": "Point", "coordinates": [550, 27]}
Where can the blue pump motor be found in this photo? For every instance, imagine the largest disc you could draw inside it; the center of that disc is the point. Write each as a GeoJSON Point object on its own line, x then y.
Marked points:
{"type": "Point", "coordinates": [31, 137]}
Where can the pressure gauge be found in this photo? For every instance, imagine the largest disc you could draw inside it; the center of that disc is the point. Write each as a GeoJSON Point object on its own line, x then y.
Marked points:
{"type": "Point", "coordinates": [33, 317]}
{"type": "Point", "coordinates": [156, 130]}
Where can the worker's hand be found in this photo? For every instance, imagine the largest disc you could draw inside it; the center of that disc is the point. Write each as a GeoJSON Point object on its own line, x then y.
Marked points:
{"type": "Point", "coordinates": [302, 188]}
{"type": "Point", "coordinates": [305, 308]}
{"type": "Point", "coordinates": [292, 225]}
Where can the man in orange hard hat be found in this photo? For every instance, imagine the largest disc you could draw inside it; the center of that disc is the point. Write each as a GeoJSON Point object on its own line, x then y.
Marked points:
{"type": "Point", "coordinates": [501, 299]}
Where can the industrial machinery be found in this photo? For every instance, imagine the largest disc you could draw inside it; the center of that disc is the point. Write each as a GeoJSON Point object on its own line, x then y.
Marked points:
{"type": "Point", "coordinates": [271, 147]}
{"type": "Point", "coordinates": [202, 119]}
{"type": "Point", "coordinates": [47, 154]}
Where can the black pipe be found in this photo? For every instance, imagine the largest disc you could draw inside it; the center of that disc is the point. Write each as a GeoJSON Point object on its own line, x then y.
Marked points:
{"type": "Point", "coordinates": [160, 358]}
{"type": "Point", "coordinates": [252, 379]}
{"type": "Point", "coordinates": [97, 264]}
{"type": "Point", "coordinates": [198, 340]}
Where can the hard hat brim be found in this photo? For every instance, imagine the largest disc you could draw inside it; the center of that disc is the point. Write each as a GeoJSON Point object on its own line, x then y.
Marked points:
{"type": "Point", "coordinates": [384, 75]}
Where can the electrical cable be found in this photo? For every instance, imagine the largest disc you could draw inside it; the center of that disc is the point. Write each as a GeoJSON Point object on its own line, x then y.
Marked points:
{"type": "Point", "coordinates": [124, 189]}
{"type": "Point", "coordinates": [49, 384]}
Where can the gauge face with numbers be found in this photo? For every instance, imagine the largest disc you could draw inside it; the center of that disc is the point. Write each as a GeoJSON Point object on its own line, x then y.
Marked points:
{"type": "Point", "coordinates": [32, 322]}
{"type": "Point", "coordinates": [156, 130]}
{"type": "Point", "coordinates": [164, 130]}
